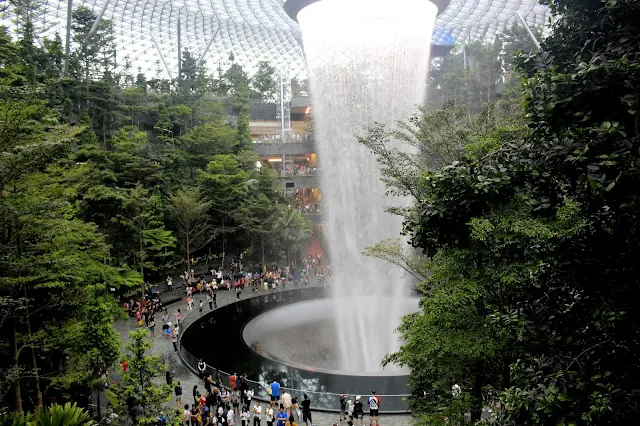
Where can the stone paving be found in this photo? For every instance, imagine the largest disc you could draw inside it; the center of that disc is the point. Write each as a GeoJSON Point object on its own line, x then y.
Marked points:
{"type": "Point", "coordinates": [162, 346]}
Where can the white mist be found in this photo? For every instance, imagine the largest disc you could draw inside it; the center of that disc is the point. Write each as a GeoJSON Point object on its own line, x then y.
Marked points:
{"type": "Point", "coordinates": [368, 62]}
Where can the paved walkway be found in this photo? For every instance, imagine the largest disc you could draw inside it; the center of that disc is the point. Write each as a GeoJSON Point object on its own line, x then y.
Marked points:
{"type": "Point", "coordinates": [162, 346]}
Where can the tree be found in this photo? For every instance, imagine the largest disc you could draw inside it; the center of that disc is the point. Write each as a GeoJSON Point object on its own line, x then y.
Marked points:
{"type": "Point", "coordinates": [95, 52]}
{"type": "Point", "coordinates": [224, 184]}
{"type": "Point", "coordinates": [263, 82]}
{"type": "Point", "coordinates": [535, 238]}
{"type": "Point", "coordinates": [242, 108]}
{"type": "Point", "coordinates": [54, 415]}
{"type": "Point", "coordinates": [28, 13]}
{"type": "Point", "coordinates": [291, 229]}
{"type": "Point", "coordinates": [188, 212]}
{"type": "Point", "coordinates": [93, 348]}
{"type": "Point", "coordinates": [257, 213]}
{"type": "Point", "coordinates": [137, 395]}
{"type": "Point", "coordinates": [151, 238]}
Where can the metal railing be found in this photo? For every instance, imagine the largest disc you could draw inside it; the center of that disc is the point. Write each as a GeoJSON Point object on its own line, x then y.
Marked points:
{"type": "Point", "coordinates": [307, 171]}
{"type": "Point", "coordinates": [288, 138]}
{"type": "Point", "coordinates": [321, 400]}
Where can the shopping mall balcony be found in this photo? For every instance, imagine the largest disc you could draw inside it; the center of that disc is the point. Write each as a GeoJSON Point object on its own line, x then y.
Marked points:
{"type": "Point", "coordinates": [292, 144]}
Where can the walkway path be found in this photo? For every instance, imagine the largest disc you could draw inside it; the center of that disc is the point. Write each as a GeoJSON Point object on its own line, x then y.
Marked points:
{"type": "Point", "coordinates": [162, 346]}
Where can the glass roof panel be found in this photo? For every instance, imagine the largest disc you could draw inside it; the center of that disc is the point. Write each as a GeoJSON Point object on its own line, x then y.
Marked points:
{"type": "Point", "coordinates": [254, 30]}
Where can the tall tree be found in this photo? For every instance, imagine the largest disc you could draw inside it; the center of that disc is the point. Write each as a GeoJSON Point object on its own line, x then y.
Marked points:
{"type": "Point", "coordinates": [291, 229]}
{"type": "Point", "coordinates": [536, 238]}
{"type": "Point", "coordinates": [263, 82]}
{"type": "Point", "coordinates": [188, 213]}
{"type": "Point", "coordinates": [138, 395]}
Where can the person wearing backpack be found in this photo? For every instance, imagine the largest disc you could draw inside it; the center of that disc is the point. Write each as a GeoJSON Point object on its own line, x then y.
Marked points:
{"type": "Point", "coordinates": [374, 407]}
{"type": "Point", "coordinates": [178, 392]}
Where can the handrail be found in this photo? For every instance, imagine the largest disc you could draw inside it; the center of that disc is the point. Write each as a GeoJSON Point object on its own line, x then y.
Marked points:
{"type": "Point", "coordinates": [193, 315]}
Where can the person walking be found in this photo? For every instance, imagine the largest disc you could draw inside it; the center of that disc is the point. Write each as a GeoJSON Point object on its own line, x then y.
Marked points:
{"type": "Point", "coordinates": [306, 410]}
{"type": "Point", "coordinates": [174, 342]}
{"type": "Point", "coordinates": [177, 390]}
{"type": "Point", "coordinates": [170, 284]}
{"type": "Point", "coordinates": [196, 394]}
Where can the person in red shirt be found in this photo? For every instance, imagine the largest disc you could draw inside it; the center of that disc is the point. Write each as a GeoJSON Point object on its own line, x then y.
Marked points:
{"type": "Point", "coordinates": [125, 365]}
{"type": "Point", "coordinates": [232, 381]}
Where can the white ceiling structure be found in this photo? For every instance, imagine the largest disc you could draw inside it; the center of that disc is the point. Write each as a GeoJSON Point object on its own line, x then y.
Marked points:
{"type": "Point", "coordinates": [146, 31]}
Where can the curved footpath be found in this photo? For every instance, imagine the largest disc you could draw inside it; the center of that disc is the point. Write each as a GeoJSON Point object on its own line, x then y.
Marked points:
{"type": "Point", "coordinates": [162, 346]}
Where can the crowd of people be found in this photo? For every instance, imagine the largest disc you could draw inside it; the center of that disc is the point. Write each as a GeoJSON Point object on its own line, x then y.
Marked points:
{"type": "Point", "coordinates": [234, 404]}
{"type": "Point", "coordinates": [309, 209]}
{"type": "Point", "coordinates": [269, 279]}
{"type": "Point", "coordinates": [297, 170]}
{"type": "Point", "coordinates": [222, 405]}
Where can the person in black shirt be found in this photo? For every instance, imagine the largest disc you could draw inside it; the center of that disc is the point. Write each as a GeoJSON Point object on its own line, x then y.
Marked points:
{"type": "Point", "coordinates": [358, 411]}
{"type": "Point", "coordinates": [343, 407]}
{"type": "Point", "coordinates": [306, 410]}
{"type": "Point", "coordinates": [178, 392]}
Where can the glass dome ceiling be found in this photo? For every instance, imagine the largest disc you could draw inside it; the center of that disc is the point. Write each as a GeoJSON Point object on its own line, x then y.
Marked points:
{"type": "Point", "coordinates": [146, 31]}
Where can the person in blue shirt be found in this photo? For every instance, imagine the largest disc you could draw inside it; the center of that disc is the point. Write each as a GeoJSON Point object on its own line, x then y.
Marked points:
{"type": "Point", "coordinates": [282, 417]}
{"type": "Point", "coordinates": [275, 392]}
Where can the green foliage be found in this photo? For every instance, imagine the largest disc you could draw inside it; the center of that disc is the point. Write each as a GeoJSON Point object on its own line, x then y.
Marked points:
{"type": "Point", "coordinates": [533, 242]}
{"type": "Point", "coordinates": [54, 415]}
{"type": "Point", "coordinates": [139, 385]}
{"type": "Point", "coordinates": [291, 229]}
{"type": "Point", "coordinates": [188, 213]}
{"type": "Point", "coordinates": [263, 82]}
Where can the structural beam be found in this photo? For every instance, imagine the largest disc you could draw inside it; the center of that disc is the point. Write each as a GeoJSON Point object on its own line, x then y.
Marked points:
{"type": "Point", "coordinates": [67, 47]}
{"type": "Point", "coordinates": [526, 27]}
{"type": "Point", "coordinates": [164, 61]}
{"type": "Point", "coordinates": [94, 27]}
{"type": "Point", "coordinates": [179, 50]}
{"type": "Point", "coordinates": [206, 49]}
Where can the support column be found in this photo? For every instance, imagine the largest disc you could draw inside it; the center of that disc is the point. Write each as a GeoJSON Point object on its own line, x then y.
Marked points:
{"type": "Point", "coordinates": [67, 47]}
{"type": "Point", "coordinates": [164, 61]}
{"type": "Point", "coordinates": [206, 49]}
{"type": "Point", "coordinates": [526, 27]}
{"type": "Point", "coordinates": [94, 27]}
{"type": "Point", "coordinates": [179, 51]}
{"type": "Point", "coordinates": [282, 107]}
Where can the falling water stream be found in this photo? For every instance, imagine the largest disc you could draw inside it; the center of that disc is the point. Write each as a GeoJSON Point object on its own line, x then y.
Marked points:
{"type": "Point", "coordinates": [368, 62]}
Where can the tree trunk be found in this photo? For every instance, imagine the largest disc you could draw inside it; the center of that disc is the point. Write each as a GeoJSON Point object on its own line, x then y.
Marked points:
{"type": "Point", "coordinates": [98, 407]}
{"type": "Point", "coordinates": [17, 396]}
{"type": "Point", "coordinates": [141, 268]}
{"type": "Point", "coordinates": [188, 254]}
{"type": "Point", "coordinates": [34, 364]}
{"type": "Point", "coordinates": [262, 243]}
{"type": "Point", "coordinates": [476, 410]}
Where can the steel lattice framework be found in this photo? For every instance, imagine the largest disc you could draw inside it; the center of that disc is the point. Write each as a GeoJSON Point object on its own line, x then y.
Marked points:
{"type": "Point", "coordinates": [148, 32]}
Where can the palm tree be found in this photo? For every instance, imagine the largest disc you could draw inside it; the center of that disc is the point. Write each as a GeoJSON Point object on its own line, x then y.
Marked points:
{"type": "Point", "coordinates": [291, 229]}
{"type": "Point", "coordinates": [55, 415]}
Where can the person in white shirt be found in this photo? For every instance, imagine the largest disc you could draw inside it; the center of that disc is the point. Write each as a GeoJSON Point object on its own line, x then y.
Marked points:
{"type": "Point", "coordinates": [257, 414]}
{"type": "Point", "coordinates": [270, 417]}
{"type": "Point", "coordinates": [230, 418]}
{"type": "Point", "coordinates": [286, 401]}
{"type": "Point", "coordinates": [244, 417]}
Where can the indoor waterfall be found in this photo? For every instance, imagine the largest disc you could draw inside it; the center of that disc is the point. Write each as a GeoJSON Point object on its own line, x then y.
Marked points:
{"type": "Point", "coordinates": [368, 62]}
